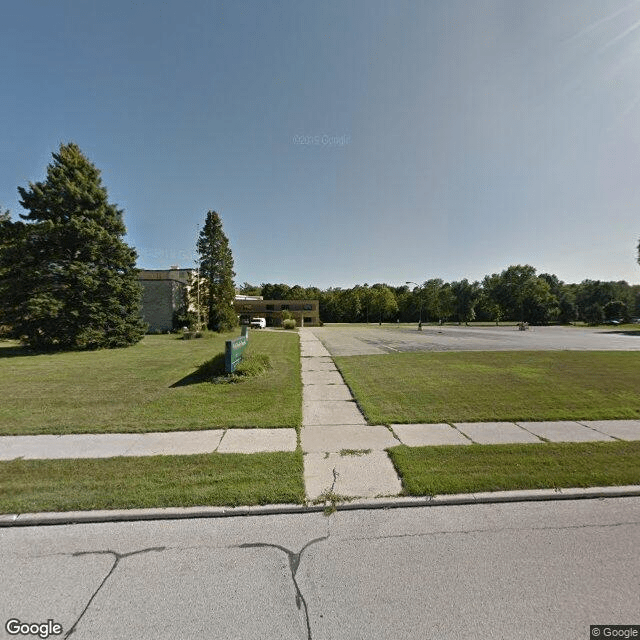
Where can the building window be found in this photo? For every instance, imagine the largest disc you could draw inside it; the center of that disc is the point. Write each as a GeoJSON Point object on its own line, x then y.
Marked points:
{"type": "Point", "coordinates": [285, 307]}
{"type": "Point", "coordinates": [308, 320]}
{"type": "Point", "coordinates": [269, 307]}
{"type": "Point", "coordinates": [308, 307]}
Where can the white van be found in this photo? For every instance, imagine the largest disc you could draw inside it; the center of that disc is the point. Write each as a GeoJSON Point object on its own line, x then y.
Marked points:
{"type": "Point", "coordinates": [258, 323]}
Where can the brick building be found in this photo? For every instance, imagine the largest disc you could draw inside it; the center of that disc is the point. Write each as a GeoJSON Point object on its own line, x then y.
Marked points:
{"type": "Point", "coordinates": [163, 296]}
{"type": "Point", "coordinates": [306, 313]}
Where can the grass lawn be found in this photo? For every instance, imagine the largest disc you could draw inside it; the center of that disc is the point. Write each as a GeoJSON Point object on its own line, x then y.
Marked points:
{"type": "Point", "coordinates": [468, 469]}
{"type": "Point", "coordinates": [157, 481]}
{"type": "Point", "coordinates": [495, 386]}
{"type": "Point", "coordinates": [147, 387]}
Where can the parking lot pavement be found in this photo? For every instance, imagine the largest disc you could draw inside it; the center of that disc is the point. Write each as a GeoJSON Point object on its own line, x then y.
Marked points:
{"type": "Point", "coordinates": [374, 339]}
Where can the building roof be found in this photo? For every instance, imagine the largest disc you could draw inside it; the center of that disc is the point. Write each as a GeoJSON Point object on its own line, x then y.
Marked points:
{"type": "Point", "coordinates": [180, 275]}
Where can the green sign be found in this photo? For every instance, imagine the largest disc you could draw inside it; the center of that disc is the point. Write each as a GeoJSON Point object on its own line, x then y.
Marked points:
{"type": "Point", "coordinates": [234, 350]}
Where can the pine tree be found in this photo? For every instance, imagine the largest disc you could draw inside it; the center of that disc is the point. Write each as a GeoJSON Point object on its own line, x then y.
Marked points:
{"type": "Point", "coordinates": [73, 281]}
{"type": "Point", "coordinates": [9, 231]}
{"type": "Point", "coordinates": [216, 272]}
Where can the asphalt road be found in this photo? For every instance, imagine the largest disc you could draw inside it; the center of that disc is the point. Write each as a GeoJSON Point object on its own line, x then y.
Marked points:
{"type": "Point", "coordinates": [522, 570]}
{"type": "Point", "coordinates": [353, 340]}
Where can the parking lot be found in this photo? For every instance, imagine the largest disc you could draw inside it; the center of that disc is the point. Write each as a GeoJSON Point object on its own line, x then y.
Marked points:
{"type": "Point", "coordinates": [344, 340]}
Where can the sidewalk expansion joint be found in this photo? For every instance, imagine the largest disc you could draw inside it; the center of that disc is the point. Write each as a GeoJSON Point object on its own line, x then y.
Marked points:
{"type": "Point", "coordinates": [393, 433]}
{"type": "Point", "coordinates": [224, 433]}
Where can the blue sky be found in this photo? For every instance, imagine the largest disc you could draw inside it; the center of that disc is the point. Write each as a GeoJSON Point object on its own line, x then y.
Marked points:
{"type": "Point", "coordinates": [342, 142]}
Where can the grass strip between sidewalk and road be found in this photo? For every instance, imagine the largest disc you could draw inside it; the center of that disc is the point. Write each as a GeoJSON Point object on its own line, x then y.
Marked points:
{"type": "Point", "coordinates": [151, 386]}
{"type": "Point", "coordinates": [214, 479]}
{"type": "Point", "coordinates": [494, 386]}
{"type": "Point", "coordinates": [441, 470]}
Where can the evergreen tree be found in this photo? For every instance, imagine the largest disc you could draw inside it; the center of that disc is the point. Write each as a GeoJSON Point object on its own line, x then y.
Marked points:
{"type": "Point", "coordinates": [216, 272]}
{"type": "Point", "coordinates": [9, 233]}
{"type": "Point", "coordinates": [73, 282]}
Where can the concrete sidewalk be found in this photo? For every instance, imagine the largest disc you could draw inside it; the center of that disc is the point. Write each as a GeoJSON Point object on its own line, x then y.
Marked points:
{"type": "Point", "coordinates": [110, 445]}
{"type": "Point", "coordinates": [421, 435]}
{"type": "Point", "coordinates": [342, 454]}
{"type": "Point", "coordinates": [331, 426]}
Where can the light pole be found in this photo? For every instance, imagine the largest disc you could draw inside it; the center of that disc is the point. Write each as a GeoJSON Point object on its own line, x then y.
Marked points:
{"type": "Point", "coordinates": [420, 306]}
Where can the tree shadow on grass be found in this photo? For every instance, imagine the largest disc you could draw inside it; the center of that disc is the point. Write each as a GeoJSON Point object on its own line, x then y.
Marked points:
{"type": "Point", "coordinates": [206, 372]}
{"type": "Point", "coordinates": [15, 351]}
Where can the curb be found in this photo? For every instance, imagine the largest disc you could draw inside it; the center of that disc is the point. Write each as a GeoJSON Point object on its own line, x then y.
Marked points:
{"type": "Point", "coordinates": [181, 513]}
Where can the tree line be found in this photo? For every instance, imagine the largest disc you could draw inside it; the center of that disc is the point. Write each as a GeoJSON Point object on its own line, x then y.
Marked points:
{"type": "Point", "coordinates": [516, 294]}
{"type": "Point", "coordinates": [69, 281]}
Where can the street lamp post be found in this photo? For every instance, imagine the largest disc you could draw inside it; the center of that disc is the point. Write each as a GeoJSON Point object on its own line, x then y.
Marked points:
{"type": "Point", "coordinates": [420, 306]}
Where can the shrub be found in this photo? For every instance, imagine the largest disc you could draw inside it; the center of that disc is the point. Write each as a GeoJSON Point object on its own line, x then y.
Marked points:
{"type": "Point", "coordinates": [213, 370]}
{"type": "Point", "coordinates": [253, 365]}
{"type": "Point", "coordinates": [290, 323]}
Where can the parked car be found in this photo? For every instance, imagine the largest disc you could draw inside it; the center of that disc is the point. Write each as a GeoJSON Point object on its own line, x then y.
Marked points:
{"type": "Point", "coordinates": [258, 323]}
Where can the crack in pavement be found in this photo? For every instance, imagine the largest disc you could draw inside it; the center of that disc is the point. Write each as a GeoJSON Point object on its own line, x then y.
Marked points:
{"type": "Point", "coordinates": [294, 563]}
{"type": "Point", "coordinates": [441, 532]}
{"type": "Point", "coordinates": [117, 557]}
{"type": "Point", "coordinates": [335, 479]}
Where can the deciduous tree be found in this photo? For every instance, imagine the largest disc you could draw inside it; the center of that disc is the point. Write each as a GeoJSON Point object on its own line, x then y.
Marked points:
{"type": "Point", "coordinates": [383, 302]}
{"type": "Point", "coordinates": [466, 297]}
